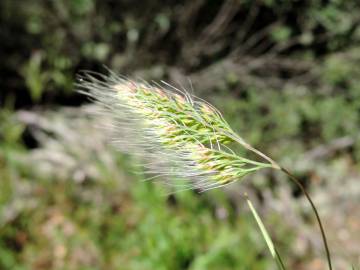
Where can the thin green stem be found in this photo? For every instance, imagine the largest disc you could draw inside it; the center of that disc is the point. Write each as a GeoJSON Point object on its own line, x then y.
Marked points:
{"type": "Point", "coordinates": [279, 261]}
{"type": "Point", "coordinates": [298, 183]}
{"type": "Point", "coordinates": [273, 251]}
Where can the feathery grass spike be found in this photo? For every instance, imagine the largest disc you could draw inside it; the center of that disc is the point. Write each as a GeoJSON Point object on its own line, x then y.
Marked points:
{"type": "Point", "coordinates": [176, 135]}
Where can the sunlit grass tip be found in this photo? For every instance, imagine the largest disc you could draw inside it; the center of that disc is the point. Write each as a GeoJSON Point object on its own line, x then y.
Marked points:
{"type": "Point", "coordinates": [178, 136]}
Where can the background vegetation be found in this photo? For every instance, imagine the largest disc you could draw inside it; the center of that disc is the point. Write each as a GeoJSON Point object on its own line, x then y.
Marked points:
{"type": "Point", "coordinates": [286, 75]}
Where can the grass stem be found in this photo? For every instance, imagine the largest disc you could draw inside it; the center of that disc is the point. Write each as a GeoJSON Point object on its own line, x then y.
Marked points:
{"type": "Point", "coordinates": [298, 183]}
{"type": "Point", "coordinates": [273, 251]}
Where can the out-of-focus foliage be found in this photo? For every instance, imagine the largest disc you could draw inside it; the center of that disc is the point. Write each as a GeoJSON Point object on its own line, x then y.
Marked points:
{"type": "Point", "coordinates": [45, 42]}
{"type": "Point", "coordinates": [286, 75]}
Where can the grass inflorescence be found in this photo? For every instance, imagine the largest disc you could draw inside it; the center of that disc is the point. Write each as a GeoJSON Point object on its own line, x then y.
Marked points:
{"type": "Point", "coordinates": [175, 134]}
{"type": "Point", "coordinates": [180, 138]}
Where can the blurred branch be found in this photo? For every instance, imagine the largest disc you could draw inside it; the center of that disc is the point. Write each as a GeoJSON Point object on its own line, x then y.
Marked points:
{"type": "Point", "coordinates": [326, 150]}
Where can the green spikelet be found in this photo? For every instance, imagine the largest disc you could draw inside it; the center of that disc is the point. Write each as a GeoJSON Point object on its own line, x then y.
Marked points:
{"type": "Point", "coordinates": [177, 135]}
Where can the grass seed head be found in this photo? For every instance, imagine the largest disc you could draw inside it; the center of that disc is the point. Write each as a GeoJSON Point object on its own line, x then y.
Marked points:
{"type": "Point", "coordinates": [175, 134]}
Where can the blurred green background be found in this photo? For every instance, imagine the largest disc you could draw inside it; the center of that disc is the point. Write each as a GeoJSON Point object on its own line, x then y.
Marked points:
{"type": "Point", "coordinates": [286, 75]}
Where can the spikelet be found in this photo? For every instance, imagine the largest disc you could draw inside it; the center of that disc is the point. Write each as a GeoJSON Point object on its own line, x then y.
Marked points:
{"type": "Point", "coordinates": [176, 135]}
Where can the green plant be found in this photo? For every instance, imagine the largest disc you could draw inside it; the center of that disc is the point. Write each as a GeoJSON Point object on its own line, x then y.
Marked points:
{"type": "Point", "coordinates": [179, 137]}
